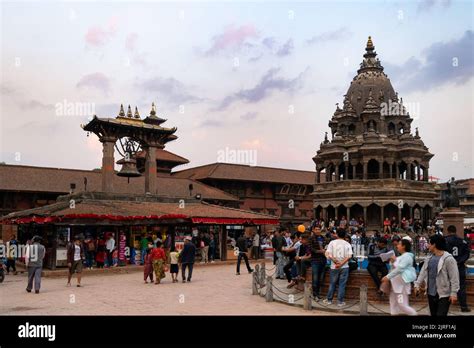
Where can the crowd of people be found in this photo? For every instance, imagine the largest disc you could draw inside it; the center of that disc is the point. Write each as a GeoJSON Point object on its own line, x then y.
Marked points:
{"type": "Point", "coordinates": [335, 247]}
{"type": "Point", "coordinates": [391, 262]}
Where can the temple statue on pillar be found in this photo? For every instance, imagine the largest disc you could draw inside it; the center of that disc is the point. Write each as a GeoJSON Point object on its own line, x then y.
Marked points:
{"type": "Point", "coordinates": [373, 167]}
{"type": "Point", "coordinates": [132, 136]}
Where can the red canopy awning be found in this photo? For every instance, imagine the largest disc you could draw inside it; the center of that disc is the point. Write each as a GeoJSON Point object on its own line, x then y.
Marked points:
{"type": "Point", "coordinates": [234, 221]}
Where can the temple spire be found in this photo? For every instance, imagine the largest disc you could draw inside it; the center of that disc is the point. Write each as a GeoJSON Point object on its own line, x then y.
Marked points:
{"type": "Point", "coordinates": [153, 109]}
{"type": "Point", "coordinates": [370, 44]}
{"type": "Point", "coordinates": [369, 49]}
{"type": "Point", "coordinates": [370, 104]}
{"type": "Point", "coordinates": [370, 61]}
{"type": "Point", "coordinates": [137, 115]}
{"type": "Point", "coordinates": [121, 112]}
{"type": "Point", "coordinates": [129, 112]}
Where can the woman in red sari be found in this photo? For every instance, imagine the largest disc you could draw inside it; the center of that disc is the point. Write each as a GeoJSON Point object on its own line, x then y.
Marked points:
{"type": "Point", "coordinates": [158, 257]}
{"type": "Point", "coordinates": [148, 269]}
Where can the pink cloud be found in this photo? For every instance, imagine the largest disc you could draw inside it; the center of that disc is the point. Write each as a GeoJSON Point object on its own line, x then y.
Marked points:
{"type": "Point", "coordinates": [98, 36]}
{"type": "Point", "coordinates": [232, 37]}
{"type": "Point", "coordinates": [96, 80]}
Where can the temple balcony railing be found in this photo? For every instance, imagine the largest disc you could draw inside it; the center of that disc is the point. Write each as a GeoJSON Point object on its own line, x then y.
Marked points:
{"type": "Point", "coordinates": [372, 184]}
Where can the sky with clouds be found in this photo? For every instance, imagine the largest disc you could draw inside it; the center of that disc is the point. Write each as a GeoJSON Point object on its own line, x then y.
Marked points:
{"type": "Point", "coordinates": [254, 76]}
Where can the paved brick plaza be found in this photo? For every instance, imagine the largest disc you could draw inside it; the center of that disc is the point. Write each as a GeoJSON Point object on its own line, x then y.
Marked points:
{"type": "Point", "coordinates": [215, 290]}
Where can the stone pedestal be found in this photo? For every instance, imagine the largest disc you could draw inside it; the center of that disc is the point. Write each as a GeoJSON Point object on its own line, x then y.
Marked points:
{"type": "Point", "coordinates": [453, 216]}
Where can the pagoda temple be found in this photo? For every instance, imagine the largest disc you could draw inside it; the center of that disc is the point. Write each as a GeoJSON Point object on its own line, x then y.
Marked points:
{"type": "Point", "coordinates": [373, 166]}
{"type": "Point", "coordinates": [151, 203]}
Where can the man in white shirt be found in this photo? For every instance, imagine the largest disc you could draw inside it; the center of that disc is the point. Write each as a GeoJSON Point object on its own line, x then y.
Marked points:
{"type": "Point", "coordinates": [339, 252]}
{"type": "Point", "coordinates": [75, 257]}
{"type": "Point", "coordinates": [110, 246]}
{"type": "Point", "coordinates": [256, 246]}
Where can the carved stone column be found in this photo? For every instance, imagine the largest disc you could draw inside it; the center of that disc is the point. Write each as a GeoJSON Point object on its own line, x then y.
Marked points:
{"type": "Point", "coordinates": [150, 170]}
{"type": "Point", "coordinates": [108, 164]}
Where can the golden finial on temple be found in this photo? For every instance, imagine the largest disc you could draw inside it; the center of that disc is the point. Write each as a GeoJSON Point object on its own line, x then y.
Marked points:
{"type": "Point", "coordinates": [137, 115]}
{"type": "Point", "coordinates": [369, 42]}
{"type": "Point", "coordinates": [129, 112]}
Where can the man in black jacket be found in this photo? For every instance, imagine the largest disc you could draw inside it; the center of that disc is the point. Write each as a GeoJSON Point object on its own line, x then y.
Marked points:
{"type": "Point", "coordinates": [186, 258]}
{"type": "Point", "coordinates": [278, 242]}
{"type": "Point", "coordinates": [318, 260]}
{"type": "Point", "coordinates": [241, 249]}
{"type": "Point", "coordinates": [376, 265]}
{"type": "Point", "coordinates": [459, 248]}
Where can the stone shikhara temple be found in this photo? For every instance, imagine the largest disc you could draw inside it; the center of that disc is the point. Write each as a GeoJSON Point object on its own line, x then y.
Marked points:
{"type": "Point", "coordinates": [373, 166]}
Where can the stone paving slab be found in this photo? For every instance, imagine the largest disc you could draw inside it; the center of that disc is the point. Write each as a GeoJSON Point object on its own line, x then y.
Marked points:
{"type": "Point", "coordinates": [214, 290]}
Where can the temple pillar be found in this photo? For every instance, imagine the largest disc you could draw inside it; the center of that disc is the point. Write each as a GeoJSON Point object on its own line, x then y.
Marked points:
{"type": "Point", "coordinates": [346, 171]}
{"type": "Point", "coordinates": [409, 171]}
{"type": "Point", "coordinates": [390, 170]}
{"type": "Point", "coordinates": [365, 216]}
{"type": "Point", "coordinates": [108, 164]}
{"type": "Point", "coordinates": [354, 171]}
{"type": "Point", "coordinates": [337, 172]}
{"type": "Point", "coordinates": [381, 170]}
{"type": "Point", "coordinates": [324, 214]}
{"type": "Point", "coordinates": [418, 174]}
{"type": "Point", "coordinates": [150, 170]}
{"type": "Point", "coordinates": [381, 215]}
{"type": "Point", "coordinates": [318, 176]}
{"type": "Point", "coordinates": [397, 171]}
{"type": "Point", "coordinates": [365, 170]}
{"type": "Point", "coordinates": [348, 214]}
{"type": "Point", "coordinates": [426, 175]}
{"type": "Point", "coordinates": [399, 216]}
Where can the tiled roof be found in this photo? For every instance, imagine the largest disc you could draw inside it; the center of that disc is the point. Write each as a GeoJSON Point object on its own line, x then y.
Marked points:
{"type": "Point", "coordinates": [227, 171]}
{"type": "Point", "coordinates": [114, 209]}
{"type": "Point", "coordinates": [165, 156]}
{"type": "Point", "coordinates": [58, 180]}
